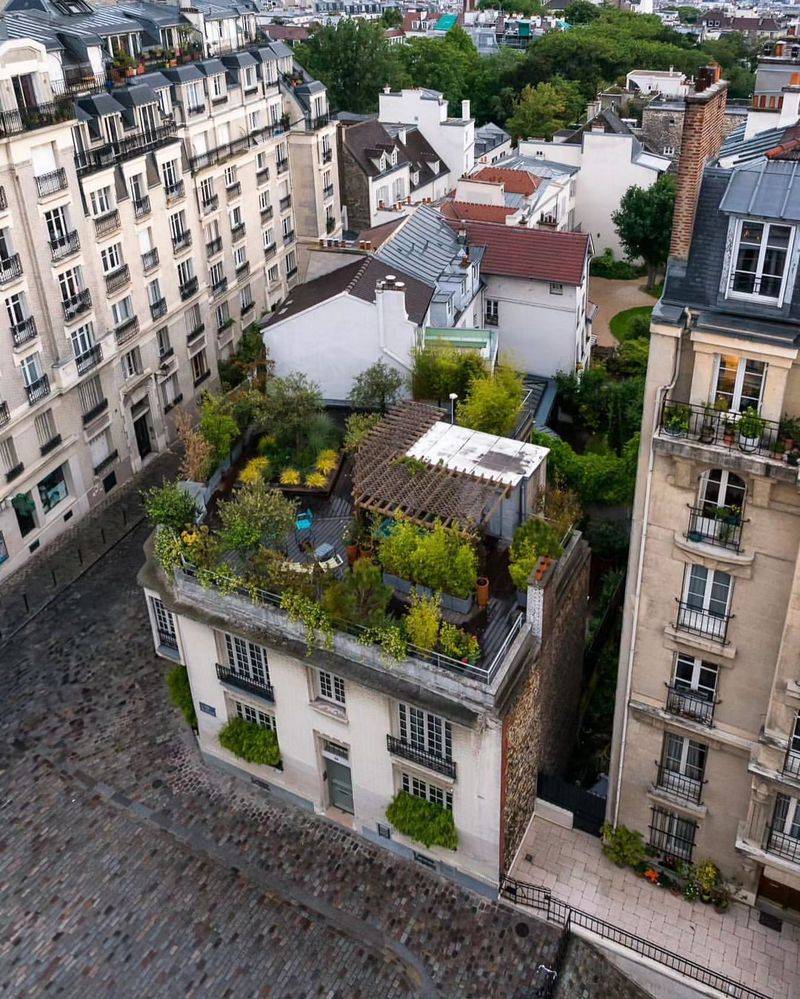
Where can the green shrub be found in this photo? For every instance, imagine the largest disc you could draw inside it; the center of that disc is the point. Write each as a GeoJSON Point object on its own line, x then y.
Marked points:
{"type": "Point", "coordinates": [180, 693]}
{"type": "Point", "coordinates": [218, 427]}
{"type": "Point", "coordinates": [531, 540]}
{"type": "Point", "coordinates": [607, 539]}
{"type": "Point", "coordinates": [631, 324]}
{"type": "Point", "coordinates": [255, 515]}
{"type": "Point", "coordinates": [493, 403]}
{"type": "Point", "coordinates": [360, 597]}
{"type": "Point", "coordinates": [423, 821]}
{"type": "Point", "coordinates": [598, 479]}
{"type": "Point", "coordinates": [422, 621]}
{"type": "Point", "coordinates": [438, 371]}
{"type": "Point", "coordinates": [169, 505]}
{"type": "Point", "coordinates": [618, 270]}
{"type": "Point", "coordinates": [622, 846]}
{"type": "Point", "coordinates": [631, 358]}
{"type": "Point", "coordinates": [376, 388]}
{"type": "Point", "coordinates": [457, 643]}
{"type": "Point", "coordinates": [356, 428]}
{"type": "Point", "coordinates": [440, 558]}
{"type": "Point", "coordinates": [250, 742]}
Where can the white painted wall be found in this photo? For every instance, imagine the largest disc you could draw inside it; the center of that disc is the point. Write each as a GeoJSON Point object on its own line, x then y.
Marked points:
{"type": "Point", "coordinates": [455, 143]}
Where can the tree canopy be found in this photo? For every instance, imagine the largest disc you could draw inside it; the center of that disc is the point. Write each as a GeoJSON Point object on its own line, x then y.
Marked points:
{"type": "Point", "coordinates": [545, 108]}
{"type": "Point", "coordinates": [644, 223]}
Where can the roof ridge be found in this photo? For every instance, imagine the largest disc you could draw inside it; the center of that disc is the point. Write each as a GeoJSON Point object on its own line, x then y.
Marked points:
{"type": "Point", "coordinates": [358, 275]}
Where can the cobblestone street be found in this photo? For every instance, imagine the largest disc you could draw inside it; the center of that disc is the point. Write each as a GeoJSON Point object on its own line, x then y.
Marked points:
{"type": "Point", "coordinates": [119, 849]}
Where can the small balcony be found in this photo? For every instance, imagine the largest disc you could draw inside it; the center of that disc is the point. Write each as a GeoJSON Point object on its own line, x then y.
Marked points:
{"type": "Point", "coordinates": [219, 288]}
{"type": "Point", "coordinates": [15, 472]}
{"type": "Point", "coordinates": [319, 122]}
{"type": "Point", "coordinates": [288, 237]}
{"type": "Point", "coordinates": [51, 445]}
{"type": "Point", "coordinates": [262, 176]}
{"type": "Point", "coordinates": [247, 307]}
{"type": "Point", "coordinates": [327, 192]}
{"type": "Point", "coordinates": [678, 784]}
{"type": "Point", "coordinates": [106, 225]}
{"type": "Point", "coordinates": [718, 429]}
{"type": "Point", "coordinates": [141, 207]}
{"type": "Point", "coordinates": [23, 332]}
{"type": "Point", "coordinates": [174, 192]}
{"type": "Point", "coordinates": [214, 246]}
{"type": "Point", "coordinates": [282, 165]}
{"type": "Point", "coordinates": [327, 155]}
{"type": "Point", "coordinates": [150, 260]}
{"type": "Point", "coordinates": [10, 269]}
{"type": "Point", "coordinates": [243, 270]}
{"type": "Point", "coordinates": [210, 205]}
{"type": "Point", "coordinates": [192, 110]}
{"type": "Point", "coordinates": [291, 272]}
{"type": "Point", "coordinates": [690, 704]}
{"type": "Point", "coordinates": [490, 320]}
{"type": "Point", "coordinates": [238, 232]}
{"type": "Point", "coordinates": [440, 764]}
{"type": "Point", "coordinates": [106, 462]}
{"type": "Point", "coordinates": [5, 414]}
{"type": "Point", "coordinates": [89, 359]}
{"type": "Point", "coordinates": [223, 329]}
{"type": "Point", "coordinates": [95, 411]}
{"type": "Point", "coordinates": [126, 331]}
{"type": "Point", "coordinates": [117, 279]}
{"type": "Point", "coordinates": [782, 844]}
{"type": "Point", "coordinates": [195, 332]}
{"type": "Point", "coordinates": [3, 199]}
{"type": "Point", "coordinates": [262, 689]}
{"type": "Point", "coordinates": [698, 621]}
{"type": "Point", "coordinates": [51, 183]}
{"type": "Point", "coordinates": [27, 119]}
{"type": "Point", "coordinates": [233, 191]}
{"type": "Point", "coordinates": [188, 288]}
{"type": "Point", "coordinates": [63, 246]}
{"type": "Point", "coordinates": [285, 202]}
{"type": "Point", "coordinates": [137, 144]}
{"type": "Point", "coordinates": [182, 241]}
{"type": "Point", "coordinates": [270, 251]}
{"type": "Point", "coordinates": [158, 309]}
{"type": "Point", "coordinates": [791, 764]}
{"type": "Point", "coordinates": [267, 213]}
{"type": "Point", "coordinates": [719, 526]}
{"type": "Point", "coordinates": [76, 305]}
{"type": "Point", "coordinates": [38, 390]}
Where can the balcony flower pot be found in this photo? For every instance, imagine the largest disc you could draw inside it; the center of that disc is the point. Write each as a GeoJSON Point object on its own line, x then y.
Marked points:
{"type": "Point", "coordinates": [482, 591]}
{"type": "Point", "coordinates": [676, 421]}
{"type": "Point", "coordinates": [728, 434]}
{"type": "Point", "coordinates": [130, 71]}
{"type": "Point", "coordinates": [751, 430]}
{"type": "Point", "coordinates": [695, 536]}
{"type": "Point", "coordinates": [352, 554]}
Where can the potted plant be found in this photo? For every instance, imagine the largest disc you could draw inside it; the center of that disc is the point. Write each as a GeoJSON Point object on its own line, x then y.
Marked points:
{"type": "Point", "coordinates": [351, 540]}
{"type": "Point", "coordinates": [708, 427]}
{"type": "Point", "coordinates": [482, 591]}
{"type": "Point", "coordinates": [721, 898]}
{"type": "Point", "coordinates": [751, 429]}
{"type": "Point", "coordinates": [707, 878]}
{"type": "Point", "coordinates": [788, 432]}
{"type": "Point", "coordinates": [729, 432]}
{"type": "Point", "coordinates": [676, 420]}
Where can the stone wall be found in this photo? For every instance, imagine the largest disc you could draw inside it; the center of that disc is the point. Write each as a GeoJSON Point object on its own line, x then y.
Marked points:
{"type": "Point", "coordinates": [354, 187]}
{"type": "Point", "coordinates": [587, 974]}
{"type": "Point", "coordinates": [540, 716]}
{"type": "Point", "coordinates": [662, 128]}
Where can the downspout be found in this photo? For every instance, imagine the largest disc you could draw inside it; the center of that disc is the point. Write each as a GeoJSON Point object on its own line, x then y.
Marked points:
{"type": "Point", "coordinates": [660, 396]}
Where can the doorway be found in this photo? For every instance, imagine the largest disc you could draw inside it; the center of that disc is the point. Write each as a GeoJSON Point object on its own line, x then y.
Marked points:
{"type": "Point", "coordinates": [338, 776]}
{"type": "Point", "coordinates": [142, 431]}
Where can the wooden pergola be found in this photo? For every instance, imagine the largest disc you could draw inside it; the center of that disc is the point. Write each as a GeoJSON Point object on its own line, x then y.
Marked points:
{"type": "Point", "coordinates": [389, 483]}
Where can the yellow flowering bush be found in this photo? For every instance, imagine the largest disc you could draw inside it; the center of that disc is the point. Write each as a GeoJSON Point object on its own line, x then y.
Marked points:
{"type": "Point", "coordinates": [254, 471]}
{"type": "Point", "coordinates": [290, 477]}
{"type": "Point", "coordinates": [316, 480]}
{"type": "Point", "coordinates": [327, 460]}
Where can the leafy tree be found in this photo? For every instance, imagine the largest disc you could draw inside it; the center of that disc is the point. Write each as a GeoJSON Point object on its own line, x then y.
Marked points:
{"type": "Point", "coordinates": [688, 15]}
{"type": "Point", "coordinates": [218, 427]}
{"type": "Point", "coordinates": [438, 371]}
{"type": "Point", "coordinates": [169, 506]}
{"type": "Point", "coordinates": [545, 108]}
{"type": "Point", "coordinates": [288, 407]}
{"type": "Point", "coordinates": [581, 12]}
{"type": "Point", "coordinates": [391, 18]}
{"type": "Point", "coordinates": [360, 597]}
{"type": "Point", "coordinates": [493, 404]}
{"type": "Point", "coordinates": [528, 8]}
{"type": "Point", "coordinates": [376, 388]}
{"type": "Point", "coordinates": [446, 64]}
{"type": "Point", "coordinates": [644, 223]}
{"type": "Point", "coordinates": [254, 516]}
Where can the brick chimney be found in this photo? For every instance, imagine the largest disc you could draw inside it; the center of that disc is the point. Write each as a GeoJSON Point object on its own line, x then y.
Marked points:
{"type": "Point", "coordinates": [703, 123]}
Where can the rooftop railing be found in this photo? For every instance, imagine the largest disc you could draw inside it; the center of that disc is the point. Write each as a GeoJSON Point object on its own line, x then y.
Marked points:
{"type": "Point", "coordinates": [91, 160]}
{"type": "Point", "coordinates": [37, 116]}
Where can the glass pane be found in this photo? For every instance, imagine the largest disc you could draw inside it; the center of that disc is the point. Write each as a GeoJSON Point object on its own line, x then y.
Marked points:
{"type": "Point", "coordinates": [751, 233]}
{"type": "Point", "coordinates": [720, 588]}
{"type": "Point", "coordinates": [697, 586]}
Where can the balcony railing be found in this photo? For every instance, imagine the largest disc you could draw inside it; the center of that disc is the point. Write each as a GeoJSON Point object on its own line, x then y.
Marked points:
{"type": "Point", "coordinates": [109, 459]}
{"type": "Point", "coordinates": [5, 414]}
{"type": "Point", "coordinates": [38, 390]}
{"type": "Point", "coordinates": [678, 784]}
{"type": "Point", "coordinates": [288, 237]}
{"type": "Point", "coordinates": [89, 359]}
{"type": "Point", "coordinates": [319, 122]}
{"type": "Point", "coordinates": [267, 213]}
{"type": "Point", "coordinates": [262, 176]}
{"type": "Point", "coordinates": [158, 309]}
{"type": "Point", "coordinates": [90, 160]}
{"type": "Point", "coordinates": [104, 225]}
{"type": "Point", "coordinates": [64, 246]}
{"type": "Point", "coordinates": [188, 288]}
{"type": "Point", "coordinates": [233, 190]}
{"type": "Point", "coordinates": [719, 526]}
{"type": "Point", "coordinates": [95, 411]}
{"type": "Point", "coordinates": [327, 155]}
{"type": "Point", "coordinates": [490, 320]}
{"type": "Point", "coordinates": [690, 704]}
{"type": "Point", "coordinates": [220, 154]}
{"type": "Point", "coordinates": [782, 844]}
{"type": "Point", "coordinates": [238, 231]}
{"type": "Point", "coordinates": [247, 307]}
{"type": "Point", "coordinates": [37, 116]}
{"type": "Point", "coordinates": [24, 331]}
{"type": "Point", "coordinates": [291, 272]}
{"type": "Point", "coordinates": [141, 207]}
{"type": "Point", "coordinates": [707, 425]}
{"type": "Point", "coordinates": [51, 183]}
{"type": "Point", "coordinates": [15, 472]}
{"type": "Point", "coordinates": [282, 165]}
{"type": "Point", "coordinates": [174, 192]}
{"type": "Point", "coordinates": [195, 332]}
{"type": "Point", "coordinates": [10, 268]}
{"type": "Point", "coordinates": [702, 622]}
{"type": "Point", "coordinates": [182, 240]}
{"type": "Point", "coordinates": [214, 246]}
{"type": "Point", "coordinates": [242, 270]}
{"type": "Point", "coordinates": [269, 251]}
{"type": "Point", "coordinates": [3, 199]}
{"type": "Point", "coordinates": [430, 760]}
{"type": "Point", "coordinates": [791, 764]}
{"type": "Point", "coordinates": [150, 260]}
{"type": "Point", "coordinates": [285, 202]}
{"type": "Point", "coordinates": [127, 330]}
{"type": "Point", "coordinates": [118, 279]}
{"type": "Point", "coordinates": [50, 445]}
{"type": "Point", "coordinates": [220, 287]}
{"type": "Point", "coordinates": [210, 205]}
{"type": "Point", "coordinates": [76, 305]}
{"type": "Point", "coordinates": [327, 191]}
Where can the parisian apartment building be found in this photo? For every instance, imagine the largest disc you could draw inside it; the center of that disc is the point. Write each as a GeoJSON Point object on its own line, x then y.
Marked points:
{"type": "Point", "coordinates": [161, 171]}
{"type": "Point", "coordinates": [706, 750]}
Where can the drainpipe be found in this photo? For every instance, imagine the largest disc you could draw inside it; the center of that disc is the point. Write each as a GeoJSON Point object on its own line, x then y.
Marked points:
{"type": "Point", "coordinates": [661, 394]}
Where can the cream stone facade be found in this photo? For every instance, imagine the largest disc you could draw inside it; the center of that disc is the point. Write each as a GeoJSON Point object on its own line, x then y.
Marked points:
{"type": "Point", "coordinates": [144, 223]}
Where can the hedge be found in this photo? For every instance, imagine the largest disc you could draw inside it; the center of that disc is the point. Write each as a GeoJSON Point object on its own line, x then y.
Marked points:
{"type": "Point", "coordinates": [250, 742]}
{"type": "Point", "coordinates": [423, 821]}
{"type": "Point", "coordinates": [180, 693]}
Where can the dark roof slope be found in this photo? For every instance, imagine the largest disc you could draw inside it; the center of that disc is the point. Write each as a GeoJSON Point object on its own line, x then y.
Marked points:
{"type": "Point", "coordinates": [537, 254]}
{"type": "Point", "coordinates": [366, 138]}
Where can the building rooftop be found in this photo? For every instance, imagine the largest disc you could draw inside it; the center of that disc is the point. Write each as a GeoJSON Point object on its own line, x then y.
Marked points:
{"type": "Point", "coordinates": [514, 181]}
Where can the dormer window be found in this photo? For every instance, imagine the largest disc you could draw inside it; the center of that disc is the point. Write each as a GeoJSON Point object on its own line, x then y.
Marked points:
{"type": "Point", "coordinates": [739, 383]}
{"type": "Point", "coordinates": [394, 157]}
{"type": "Point", "coordinates": [434, 165]}
{"type": "Point", "coordinates": [761, 261]}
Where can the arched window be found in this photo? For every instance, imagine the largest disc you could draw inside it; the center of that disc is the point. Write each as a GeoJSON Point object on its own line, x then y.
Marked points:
{"type": "Point", "coordinates": [721, 488]}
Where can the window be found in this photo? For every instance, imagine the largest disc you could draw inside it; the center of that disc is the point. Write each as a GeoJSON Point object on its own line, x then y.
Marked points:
{"type": "Point", "coordinates": [164, 346]}
{"type": "Point", "coordinates": [223, 315]}
{"type": "Point", "coordinates": [45, 427]}
{"type": "Point", "coordinates": [31, 368]}
{"type": "Point", "coordinates": [185, 271]}
{"type": "Point", "coordinates": [53, 489]}
{"type": "Point", "coordinates": [492, 312]}
{"type": "Point", "coordinates": [111, 258]}
{"type": "Point", "coordinates": [261, 162]}
{"type": "Point", "coordinates": [556, 288]}
{"type": "Point", "coordinates": [683, 764]}
{"type": "Point", "coordinates": [216, 273]}
{"type": "Point", "coordinates": [239, 257]}
{"type": "Point", "coordinates": [207, 190]}
{"type": "Point", "coordinates": [82, 339]}
{"type": "Point", "coordinates": [16, 308]}
{"type": "Point", "coordinates": [217, 85]}
{"type": "Point", "coordinates": [170, 173]}
{"type": "Point", "coordinates": [268, 237]}
{"type": "Point", "coordinates": [263, 202]}
{"type": "Point", "coordinates": [719, 489]}
{"type": "Point", "coordinates": [668, 150]}
{"type": "Point", "coordinates": [90, 394]}
{"type": "Point", "coordinates": [287, 225]}
{"type": "Point", "coordinates": [272, 274]}
{"type": "Point", "coordinates": [430, 792]}
{"type": "Point", "coordinates": [165, 625]}
{"type": "Point", "coordinates": [194, 319]}
{"type": "Point", "coordinates": [291, 263]}
{"type": "Point", "coordinates": [255, 715]}
{"type": "Point", "coordinates": [425, 731]}
{"type": "Point", "coordinates": [254, 121]}
{"type": "Point", "coordinates": [169, 390]}
{"type": "Point", "coordinates": [8, 455]}
{"type": "Point", "coordinates": [154, 295]}
{"type": "Point", "coordinates": [671, 835]}
{"type": "Point", "coordinates": [230, 176]}
{"type": "Point", "coordinates": [100, 448]}
{"type": "Point", "coordinates": [739, 383]}
{"type": "Point", "coordinates": [330, 687]}
{"type": "Point", "coordinates": [695, 676]}
{"type": "Point", "coordinates": [762, 254]}
{"type": "Point", "coordinates": [177, 225]}
{"type": "Point", "coordinates": [100, 201]}
{"type": "Point", "coordinates": [70, 283]}
{"type": "Point", "coordinates": [235, 216]}
{"type": "Point", "coordinates": [245, 298]}
{"type": "Point", "coordinates": [137, 187]}
{"type": "Point", "coordinates": [706, 600]}
{"type": "Point", "coordinates": [57, 226]}
{"type": "Point", "coordinates": [199, 366]}
{"type": "Point", "coordinates": [122, 311]}
{"type": "Point", "coordinates": [247, 659]}
{"type": "Point", "coordinates": [132, 363]}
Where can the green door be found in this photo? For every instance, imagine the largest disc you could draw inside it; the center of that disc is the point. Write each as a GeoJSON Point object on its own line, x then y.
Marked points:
{"type": "Point", "coordinates": [340, 785]}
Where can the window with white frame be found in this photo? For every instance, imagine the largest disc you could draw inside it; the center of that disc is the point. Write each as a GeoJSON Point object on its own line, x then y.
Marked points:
{"type": "Point", "coordinates": [268, 236]}
{"type": "Point", "coordinates": [31, 368]}
{"type": "Point", "coordinates": [169, 389]}
{"type": "Point", "coordinates": [264, 202]}
{"type": "Point", "coordinates": [695, 676]}
{"type": "Point", "coordinates": [793, 757]}
{"type": "Point", "coordinates": [45, 427]}
{"type": "Point", "coordinates": [272, 274]}
{"type": "Point", "coordinates": [556, 288]}
{"type": "Point", "coordinates": [194, 318]}
{"type": "Point", "coordinates": [3, 549]}
{"type": "Point", "coordinates": [739, 382]}
{"type": "Point", "coordinates": [231, 175]}
{"type": "Point", "coordinates": [330, 687]}
{"type": "Point", "coordinates": [100, 201]}
{"type": "Point", "coordinates": [57, 222]}
{"type": "Point", "coordinates": [215, 274]}
{"type": "Point", "coordinates": [162, 337]}
{"type": "Point", "coordinates": [239, 257]}
{"type": "Point", "coordinates": [245, 298]}
{"type": "Point", "coordinates": [721, 490]}
{"type": "Point", "coordinates": [17, 308]}
{"type": "Point", "coordinates": [291, 263]}
{"type": "Point", "coordinates": [70, 283]}
{"type": "Point", "coordinates": [223, 315]}
{"type": "Point", "coordinates": [425, 731]}
{"type": "Point", "coordinates": [111, 258]}
{"type": "Point", "coordinates": [683, 761]}
{"type": "Point", "coordinates": [235, 216]}
{"type": "Point", "coordinates": [249, 78]}
{"type": "Point", "coordinates": [100, 447]}
{"type": "Point", "coordinates": [246, 659]}
{"type": "Point", "coordinates": [90, 394]}
{"type": "Point", "coordinates": [199, 366]}
{"type": "Point", "coordinates": [430, 792]}
{"type": "Point", "coordinates": [207, 190]}
{"type": "Point", "coordinates": [82, 339]}
{"type": "Point", "coordinates": [706, 600]}
{"type": "Point", "coordinates": [177, 225]}
{"type": "Point", "coordinates": [165, 624]}
{"type": "Point", "coordinates": [218, 85]}
{"type": "Point", "coordinates": [261, 162]}
{"type": "Point", "coordinates": [170, 173]}
{"type": "Point", "coordinates": [211, 232]}
{"type": "Point", "coordinates": [492, 311]}
{"type": "Point", "coordinates": [122, 311]}
{"type": "Point", "coordinates": [255, 715]}
{"type": "Point", "coordinates": [185, 271]}
{"type": "Point", "coordinates": [154, 295]}
{"type": "Point", "coordinates": [132, 363]}
{"type": "Point", "coordinates": [761, 259]}
{"type": "Point", "coordinates": [8, 455]}
{"type": "Point", "coordinates": [254, 121]}
{"type": "Point", "coordinates": [786, 825]}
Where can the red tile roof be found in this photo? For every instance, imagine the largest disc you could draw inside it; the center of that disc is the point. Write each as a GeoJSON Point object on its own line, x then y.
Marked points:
{"type": "Point", "coordinates": [474, 212]}
{"type": "Point", "coordinates": [515, 181]}
{"type": "Point", "coordinates": [512, 251]}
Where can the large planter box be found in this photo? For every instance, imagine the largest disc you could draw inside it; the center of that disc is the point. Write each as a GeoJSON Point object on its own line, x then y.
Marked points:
{"type": "Point", "coordinates": [458, 605]}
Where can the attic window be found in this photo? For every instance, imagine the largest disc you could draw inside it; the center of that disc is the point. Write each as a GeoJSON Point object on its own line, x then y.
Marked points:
{"type": "Point", "coordinates": [72, 6]}
{"type": "Point", "coordinates": [434, 165]}
{"type": "Point", "coordinates": [761, 260]}
{"type": "Point", "coordinates": [394, 157]}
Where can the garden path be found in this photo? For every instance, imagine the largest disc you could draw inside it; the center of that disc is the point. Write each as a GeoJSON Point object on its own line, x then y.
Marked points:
{"type": "Point", "coordinates": [612, 297]}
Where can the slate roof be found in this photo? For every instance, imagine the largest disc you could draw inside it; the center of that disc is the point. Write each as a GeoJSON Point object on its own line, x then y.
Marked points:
{"type": "Point", "coordinates": [536, 254]}
{"type": "Point", "coordinates": [424, 245]}
{"type": "Point", "coordinates": [420, 154]}
{"type": "Point", "coordinates": [514, 181]}
{"type": "Point", "coordinates": [367, 139]}
{"type": "Point", "coordinates": [358, 279]}
{"type": "Point", "coordinates": [488, 137]}
{"type": "Point", "coordinates": [768, 188]}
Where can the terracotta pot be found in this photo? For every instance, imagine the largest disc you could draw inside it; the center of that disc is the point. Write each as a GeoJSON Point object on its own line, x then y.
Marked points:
{"type": "Point", "coordinates": [482, 591]}
{"type": "Point", "coordinates": [366, 549]}
{"type": "Point", "coordinates": [352, 554]}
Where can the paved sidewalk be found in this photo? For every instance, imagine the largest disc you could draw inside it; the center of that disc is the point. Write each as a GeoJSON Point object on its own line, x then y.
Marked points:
{"type": "Point", "coordinates": [571, 864]}
{"type": "Point", "coordinates": [612, 297]}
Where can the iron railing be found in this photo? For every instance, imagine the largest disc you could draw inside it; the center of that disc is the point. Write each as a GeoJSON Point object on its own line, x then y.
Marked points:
{"type": "Point", "coordinates": [50, 445]}
{"type": "Point", "coordinates": [559, 912]}
{"type": "Point", "coordinates": [282, 165]}
{"type": "Point", "coordinates": [89, 359]}
{"type": "Point", "coordinates": [15, 472]}
{"type": "Point", "coordinates": [233, 191]}
{"type": "Point", "coordinates": [243, 270]}
{"type": "Point", "coordinates": [285, 202]}
{"type": "Point", "coordinates": [690, 704]}
{"type": "Point", "coordinates": [95, 411]}
{"type": "Point", "coordinates": [90, 160]}
{"type": "Point", "coordinates": [269, 251]}
{"type": "Point", "coordinates": [219, 288]}
{"type": "Point", "coordinates": [64, 246]}
{"type": "Point", "coordinates": [717, 526]}
{"type": "Point", "coordinates": [262, 176]}
{"type": "Point", "coordinates": [182, 240]}
{"type": "Point", "coordinates": [319, 122]}
{"type": "Point", "coordinates": [150, 260]}
{"type": "Point", "coordinates": [37, 116]}
{"type": "Point", "coordinates": [127, 330]}
{"type": "Point", "coordinates": [105, 224]}
{"type": "Point", "coordinates": [10, 268]}
{"type": "Point", "coordinates": [38, 390]}
{"type": "Point", "coordinates": [210, 205]}
{"type": "Point", "coordinates": [77, 304]}
{"type": "Point", "coordinates": [247, 307]}
{"type": "Point", "coordinates": [158, 309]}
{"type": "Point", "coordinates": [262, 689]}
{"type": "Point", "coordinates": [267, 213]}
{"type": "Point", "coordinates": [433, 761]}
{"type": "Point", "coordinates": [3, 199]}
{"type": "Point", "coordinates": [327, 155]}
{"type": "Point", "coordinates": [188, 288]}
{"type": "Point", "coordinates": [174, 192]}
{"type": "Point", "coordinates": [678, 784]}
{"type": "Point", "coordinates": [214, 246]}
{"type": "Point", "coordinates": [141, 207]}
{"type": "Point", "coordinates": [5, 414]}
{"type": "Point", "coordinates": [200, 328]}
{"type": "Point", "coordinates": [108, 460]}
{"type": "Point", "coordinates": [698, 621]}
{"type": "Point", "coordinates": [118, 279]}
{"type": "Point", "coordinates": [288, 237]}
{"type": "Point", "coordinates": [238, 231]}
{"type": "Point", "coordinates": [782, 844]}
{"type": "Point", "coordinates": [707, 425]}
{"type": "Point", "coordinates": [24, 331]}
{"type": "Point", "coordinates": [51, 183]}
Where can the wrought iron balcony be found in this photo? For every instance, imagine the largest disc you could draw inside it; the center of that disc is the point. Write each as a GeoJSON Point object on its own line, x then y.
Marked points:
{"type": "Point", "coordinates": [782, 844]}
{"type": "Point", "coordinates": [10, 268]}
{"type": "Point", "coordinates": [95, 411]}
{"type": "Point", "coordinates": [720, 526]}
{"type": "Point", "coordinates": [678, 784]}
{"type": "Point", "coordinates": [220, 287]}
{"type": "Point", "coordinates": [91, 160]}
{"type": "Point", "coordinates": [141, 207]}
{"type": "Point", "coordinates": [188, 288]}
{"type": "Point", "coordinates": [490, 320]}
{"type": "Point", "coordinates": [150, 260]}
{"type": "Point", "coordinates": [234, 679]}
{"type": "Point", "coordinates": [242, 270]}
{"type": "Point", "coordinates": [50, 445]}
{"type": "Point", "coordinates": [3, 199]}
{"type": "Point", "coordinates": [89, 359]}
{"type": "Point", "coordinates": [15, 472]}
{"type": "Point", "coordinates": [182, 240]}
{"type": "Point", "coordinates": [158, 309]}
{"type": "Point", "coordinates": [195, 332]}
{"type": "Point", "coordinates": [37, 116]}
{"type": "Point", "coordinates": [75, 306]}
{"type": "Point", "coordinates": [791, 764]}
{"type": "Point", "coordinates": [108, 460]}
{"type": "Point", "coordinates": [262, 176]}
{"type": "Point", "coordinates": [51, 183]}
{"type": "Point", "coordinates": [433, 761]}
{"type": "Point", "coordinates": [319, 122]}
{"type": "Point", "coordinates": [291, 272]}
{"type": "Point", "coordinates": [195, 109]}
{"type": "Point", "coordinates": [706, 425]}
{"type": "Point", "coordinates": [105, 225]}
{"type": "Point", "coordinates": [5, 414]}
{"type": "Point", "coordinates": [38, 390]}
{"type": "Point", "coordinates": [288, 237]}
{"type": "Point", "coordinates": [127, 330]}
{"type": "Point", "coordinates": [690, 704]}
{"type": "Point", "coordinates": [282, 165]}
{"type": "Point", "coordinates": [214, 246]}
{"type": "Point", "coordinates": [285, 202]}
{"type": "Point", "coordinates": [247, 307]}
{"type": "Point", "coordinates": [220, 154]}
{"type": "Point", "coordinates": [174, 192]}
{"type": "Point", "coordinates": [702, 622]}
{"type": "Point", "coordinates": [211, 205]}
{"type": "Point", "coordinates": [118, 279]}
{"type": "Point", "coordinates": [64, 246]}
{"type": "Point", "coordinates": [233, 190]}
{"type": "Point", "coordinates": [238, 232]}
{"type": "Point", "coordinates": [24, 331]}
{"type": "Point", "coordinates": [267, 213]}
{"type": "Point", "coordinates": [225, 325]}
{"type": "Point", "coordinates": [269, 251]}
